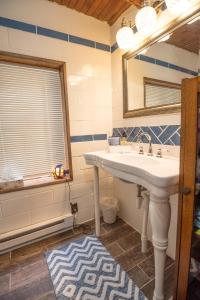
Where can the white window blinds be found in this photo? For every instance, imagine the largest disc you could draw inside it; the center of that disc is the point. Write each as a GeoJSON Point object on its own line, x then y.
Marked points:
{"type": "Point", "coordinates": [32, 136]}
{"type": "Point", "coordinates": [160, 95]}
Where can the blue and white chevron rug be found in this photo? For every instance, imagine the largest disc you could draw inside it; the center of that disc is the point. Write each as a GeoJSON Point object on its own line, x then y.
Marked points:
{"type": "Point", "coordinates": [84, 270]}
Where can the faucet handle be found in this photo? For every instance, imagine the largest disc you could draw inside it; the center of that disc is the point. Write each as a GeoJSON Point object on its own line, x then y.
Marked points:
{"type": "Point", "coordinates": [141, 150]}
{"type": "Point", "coordinates": [150, 151]}
{"type": "Point", "coordinates": [159, 153]}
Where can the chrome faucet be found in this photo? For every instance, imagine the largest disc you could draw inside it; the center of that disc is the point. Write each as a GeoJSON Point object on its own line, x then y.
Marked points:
{"type": "Point", "coordinates": [150, 150]}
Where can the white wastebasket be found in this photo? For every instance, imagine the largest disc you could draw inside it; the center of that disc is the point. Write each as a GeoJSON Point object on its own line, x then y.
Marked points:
{"type": "Point", "coordinates": [109, 208]}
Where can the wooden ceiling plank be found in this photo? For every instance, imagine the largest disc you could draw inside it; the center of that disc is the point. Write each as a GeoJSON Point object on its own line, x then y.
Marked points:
{"type": "Point", "coordinates": [106, 7]}
{"type": "Point", "coordinates": [137, 3]}
{"type": "Point", "coordinates": [72, 3]}
{"type": "Point", "coordinates": [96, 5]}
{"type": "Point", "coordinates": [187, 37]}
{"type": "Point", "coordinates": [65, 2]}
{"type": "Point", "coordinates": [114, 17]}
{"type": "Point", "coordinates": [109, 9]}
{"type": "Point", "coordinates": [105, 10]}
{"type": "Point", "coordinates": [84, 5]}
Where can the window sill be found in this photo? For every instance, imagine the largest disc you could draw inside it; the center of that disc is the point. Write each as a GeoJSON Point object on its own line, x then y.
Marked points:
{"type": "Point", "coordinates": [35, 183]}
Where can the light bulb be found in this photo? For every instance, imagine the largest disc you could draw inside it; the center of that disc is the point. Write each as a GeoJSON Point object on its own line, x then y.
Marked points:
{"type": "Point", "coordinates": [146, 20]}
{"type": "Point", "coordinates": [176, 7]}
{"type": "Point", "coordinates": [125, 38]}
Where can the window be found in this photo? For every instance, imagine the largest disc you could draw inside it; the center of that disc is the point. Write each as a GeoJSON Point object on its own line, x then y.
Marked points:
{"type": "Point", "coordinates": [34, 123]}
{"type": "Point", "coordinates": [158, 93]}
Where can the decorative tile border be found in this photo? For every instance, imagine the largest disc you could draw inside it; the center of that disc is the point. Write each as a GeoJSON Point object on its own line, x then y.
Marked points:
{"type": "Point", "coordinates": [165, 64]}
{"type": "Point", "coordinates": [85, 42]}
{"type": "Point", "coordinates": [53, 34]}
{"type": "Point", "coordinates": [17, 25]}
{"type": "Point", "coordinates": [165, 134]}
{"type": "Point", "coordinates": [114, 47]}
{"type": "Point", "coordinates": [159, 62]}
{"type": "Point", "coordinates": [81, 41]}
{"type": "Point", "coordinates": [88, 138]}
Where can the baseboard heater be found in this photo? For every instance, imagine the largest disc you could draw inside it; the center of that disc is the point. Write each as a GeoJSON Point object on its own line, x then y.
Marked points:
{"type": "Point", "coordinates": [32, 233]}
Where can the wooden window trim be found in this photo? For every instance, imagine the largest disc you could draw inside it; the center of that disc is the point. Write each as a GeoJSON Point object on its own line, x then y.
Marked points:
{"type": "Point", "coordinates": [61, 67]}
{"type": "Point", "coordinates": [36, 183]}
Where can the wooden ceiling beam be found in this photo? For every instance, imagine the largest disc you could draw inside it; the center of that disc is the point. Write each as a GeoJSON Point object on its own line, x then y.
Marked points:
{"type": "Point", "coordinates": [137, 3]}
{"type": "Point", "coordinates": [86, 5]}
{"type": "Point", "coordinates": [104, 10]}
{"type": "Point", "coordinates": [91, 10]}
{"type": "Point", "coordinates": [118, 13]}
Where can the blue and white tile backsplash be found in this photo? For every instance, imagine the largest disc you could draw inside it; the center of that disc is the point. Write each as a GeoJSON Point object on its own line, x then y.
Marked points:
{"type": "Point", "coordinates": [165, 134]}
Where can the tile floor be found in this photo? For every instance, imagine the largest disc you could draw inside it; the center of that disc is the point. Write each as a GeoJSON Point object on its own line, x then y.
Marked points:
{"type": "Point", "coordinates": [24, 273]}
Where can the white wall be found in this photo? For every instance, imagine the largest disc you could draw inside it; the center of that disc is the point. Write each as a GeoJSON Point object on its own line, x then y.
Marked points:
{"type": "Point", "coordinates": [90, 110]}
{"type": "Point", "coordinates": [30, 207]}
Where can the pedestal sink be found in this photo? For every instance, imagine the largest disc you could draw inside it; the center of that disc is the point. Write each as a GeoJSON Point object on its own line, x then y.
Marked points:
{"type": "Point", "coordinates": [160, 177]}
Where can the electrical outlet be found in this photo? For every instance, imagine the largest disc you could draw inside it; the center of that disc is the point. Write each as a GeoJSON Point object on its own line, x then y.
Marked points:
{"type": "Point", "coordinates": [74, 208]}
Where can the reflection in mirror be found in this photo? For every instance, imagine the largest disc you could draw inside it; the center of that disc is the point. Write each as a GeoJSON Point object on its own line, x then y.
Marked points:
{"type": "Point", "coordinates": [166, 62]}
{"type": "Point", "coordinates": [158, 92]}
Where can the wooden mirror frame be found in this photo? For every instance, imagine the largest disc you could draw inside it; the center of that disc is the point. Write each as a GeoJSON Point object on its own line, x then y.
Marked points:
{"type": "Point", "coordinates": [170, 28]}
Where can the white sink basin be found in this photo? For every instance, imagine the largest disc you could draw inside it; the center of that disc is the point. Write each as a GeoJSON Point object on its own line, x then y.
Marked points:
{"type": "Point", "coordinates": [161, 172]}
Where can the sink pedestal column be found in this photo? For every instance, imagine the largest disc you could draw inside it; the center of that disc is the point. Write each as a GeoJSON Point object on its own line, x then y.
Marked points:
{"type": "Point", "coordinates": [96, 201]}
{"type": "Point", "coordinates": [160, 214]}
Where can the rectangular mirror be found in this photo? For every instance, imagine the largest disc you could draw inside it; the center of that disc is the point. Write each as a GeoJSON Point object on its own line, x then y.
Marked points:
{"type": "Point", "coordinates": [152, 78]}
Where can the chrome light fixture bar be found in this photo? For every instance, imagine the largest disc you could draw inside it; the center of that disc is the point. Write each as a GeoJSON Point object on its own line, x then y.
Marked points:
{"type": "Point", "coordinates": [143, 25]}
{"type": "Point", "coordinates": [146, 21]}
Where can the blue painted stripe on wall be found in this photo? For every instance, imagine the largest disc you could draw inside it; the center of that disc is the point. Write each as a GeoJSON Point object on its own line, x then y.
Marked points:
{"type": "Point", "coordinates": [88, 138]}
{"type": "Point", "coordinates": [194, 73]}
{"type": "Point", "coordinates": [52, 33]}
{"type": "Point", "coordinates": [100, 137]}
{"type": "Point", "coordinates": [114, 47]}
{"type": "Point", "coordinates": [104, 47]}
{"type": "Point", "coordinates": [162, 63]}
{"type": "Point", "coordinates": [81, 41]}
{"type": "Point", "coordinates": [17, 25]}
{"type": "Point", "coordinates": [147, 59]}
{"type": "Point", "coordinates": [81, 138]}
